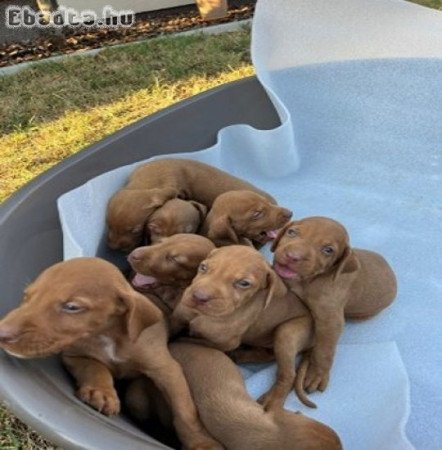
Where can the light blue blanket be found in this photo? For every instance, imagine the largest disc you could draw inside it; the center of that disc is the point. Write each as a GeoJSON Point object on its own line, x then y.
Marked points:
{"type": "Point", "coordinates": [358, 86]}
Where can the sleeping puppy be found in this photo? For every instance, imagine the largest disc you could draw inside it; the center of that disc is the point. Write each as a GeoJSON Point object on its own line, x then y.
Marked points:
{"type": "Point", "coordinates": [174, 217]}
{"type": "Point", "coordinates": [237, 298]}
{"type": "Point", "coordinates": [127, 213]}
{"type": "Point", "coordinates": [85, 309]}
{"type": "Point", "coordinates": [244, 217]}
{"type": "Point", "coordinates": [167, 267]}
{"type": "Point", "coordinates": [314, 258]}
{"type": "Point", "coordinates": [154, 183]}
{"type": "Point", "coordinates": [226, 408]}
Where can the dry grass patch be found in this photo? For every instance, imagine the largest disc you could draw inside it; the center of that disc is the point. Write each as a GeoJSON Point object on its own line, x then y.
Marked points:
{"type": "Point", "coordinates": [15, 435]}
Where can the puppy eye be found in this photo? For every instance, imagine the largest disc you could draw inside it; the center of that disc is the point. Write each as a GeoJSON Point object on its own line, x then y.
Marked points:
{"type": "Point", "coordinates": [327, 250]}
{"type": "Point", "coordinates": [243, 284]}
{"type": "Point", "coordinates": [72, 307]}
{"type": "Point", "coordinates": [257, 214]}
{"type": "Point", "coordinates": [202, 267]}
{"type": "Point", "coordinates": [136, 230]}
{"type": "Point", "coordinates": [292, 232]}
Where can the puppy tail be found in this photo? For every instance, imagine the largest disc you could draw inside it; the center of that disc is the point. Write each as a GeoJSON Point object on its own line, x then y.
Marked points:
{"type": "Point", "coordinates": [299, 383]}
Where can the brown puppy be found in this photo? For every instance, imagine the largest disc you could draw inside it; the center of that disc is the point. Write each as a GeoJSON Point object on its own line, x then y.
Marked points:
{"type": "Point", "coordinates": [314, 258]}
{"type": "Point", "coordinates": [158, 181]}
{"type": "Point", "coordinates": [166, 268]}
{"type": "Point", "coordinates": [85, 309]}
{"type": "Point", "coordinates": [242, 216]}
{"type": "Point", "coordinates": [228, 411]}
{"type": "Point", "coordinates": [174, 217]}
{"type": "Point", "coordinates": [127, 213]}
{"type": "Point", "coordinates": [237, 298]}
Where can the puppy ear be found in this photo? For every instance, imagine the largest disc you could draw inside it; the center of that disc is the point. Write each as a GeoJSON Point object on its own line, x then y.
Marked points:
{"type": "Point", "coordinates": [140, 312]}
{"type": "Point", "coordinates": [221, 229]}
{"type": "Point", "coordinates": [275, 286]}
{"type": "Point", "coordinates": [159, 196]}
{"type": "Point", "coordinates": [280, 235]}
{"type": "Point", "coordinates": [137, 229]}
{"type": "Point", "coordinates": [154, 226]}
{"type": "Point", "coordinates": [202, 209]}
{"type": "Point", "coordinates": [347, 263]}
{"type": "Point", "coordinates": [212, 252]}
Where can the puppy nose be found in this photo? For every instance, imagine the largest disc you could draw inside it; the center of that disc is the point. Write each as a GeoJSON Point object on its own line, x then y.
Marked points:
{"type": "Point", "coordinates": [200, 296]}
{"type": "Point", "coordinates": [287, 213]}
{"type": "Point", "coordinates": [8, 334]}
{"type": "Point", "coordinates": [294, 255]}
{"type": "Point", "coordinates": [135, 255]}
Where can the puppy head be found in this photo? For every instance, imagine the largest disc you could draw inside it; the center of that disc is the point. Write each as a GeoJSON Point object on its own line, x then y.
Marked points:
{"type": "Point", "coordinates": [229, 278]}
{"type": "Point", "coordinates": [174, 217]}
{"type": "Point", "coordinates": [172, 261]}
{"type": "Point", "coordinates": [244, 214]}
{"type": "Point", "coordinates": [127, 213]}
{"type": "Point", "coordinates": [69, 301]}
{"type": "Point", "coordinates": [313, 246]}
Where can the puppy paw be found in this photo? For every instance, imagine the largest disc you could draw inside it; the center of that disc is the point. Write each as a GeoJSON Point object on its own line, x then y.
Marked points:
{"type": "Point", "coordinates": [316, 378]}
{"type": "Point", "coordinates": [104, 400]}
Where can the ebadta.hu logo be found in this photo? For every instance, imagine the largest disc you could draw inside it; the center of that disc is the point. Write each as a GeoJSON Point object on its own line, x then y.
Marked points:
{"type": "Point", "coordinates": [24, 16]}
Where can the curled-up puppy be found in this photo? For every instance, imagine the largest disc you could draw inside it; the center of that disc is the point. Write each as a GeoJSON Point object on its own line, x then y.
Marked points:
{"type": "Point", "coordinates": [239, 217]}
{"type": "Point", "coordinates": [85, 309]}
{"type": "Point", "coordinates": [153, 183]}
{"type": "Point", "coordinates": [228, 412]}
{"type": "Point", "coordinates": [174, 217]}
{"type": "Point", "coordinates": [316, 262]}
{"type": "Point", "coordinates": [167, 267]}
{"type": "Point", "coordinates": [128, 212]}
{"type": "Point", "coordinates": [237, 298]}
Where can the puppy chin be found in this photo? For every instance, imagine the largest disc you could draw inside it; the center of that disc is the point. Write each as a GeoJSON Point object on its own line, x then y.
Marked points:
{"type": "Point", "coordinates": [30, 353]}
{"type": "Point", "coordinates": [27, 356]}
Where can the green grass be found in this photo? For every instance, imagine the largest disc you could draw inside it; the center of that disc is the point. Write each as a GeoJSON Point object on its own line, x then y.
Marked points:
{"type": "Point", "coordinates": [53, 110]}
{"type": "Point", "coordinates": [435, 4]}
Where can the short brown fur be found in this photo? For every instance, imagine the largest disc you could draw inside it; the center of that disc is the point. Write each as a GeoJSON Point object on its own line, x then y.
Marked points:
{"type": "Point", "coordinates": [239, 217]}
{"type": "Point", "coordinates": [130, 208]}
{"type": "Point", "coordinates": [85, 309]}
{"type": "Point", "coordinates": [175, 217]}
{"type": "Point", "coordinates": [170, 265]}
{"type": "Point", "coordinates": [237, 298]}
{"type": "Point", "coordinates": [228, 411]}
{"type": "Point", "coordinates": [334, 281]}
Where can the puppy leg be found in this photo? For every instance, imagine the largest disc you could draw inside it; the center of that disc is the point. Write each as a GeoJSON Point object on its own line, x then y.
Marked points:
{"type": "Point", "coordinates": [167, 374]}
{"type": "Point", "coordinates": [95, 383]}
{"type": "Point", "coordinates": [144, 401]}
{"type": "Point", "coordinates": [138, 399]}
{"type": "Point", "coordinates": [329, 325]}
{"type": "Point", "coordinates": [291, 337]}
{"type": "Point", "coordinates": [251, 355]}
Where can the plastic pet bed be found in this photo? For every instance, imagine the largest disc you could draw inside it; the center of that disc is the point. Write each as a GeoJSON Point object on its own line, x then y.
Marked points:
{"type": "Point", "coordinates": [352, 131]}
